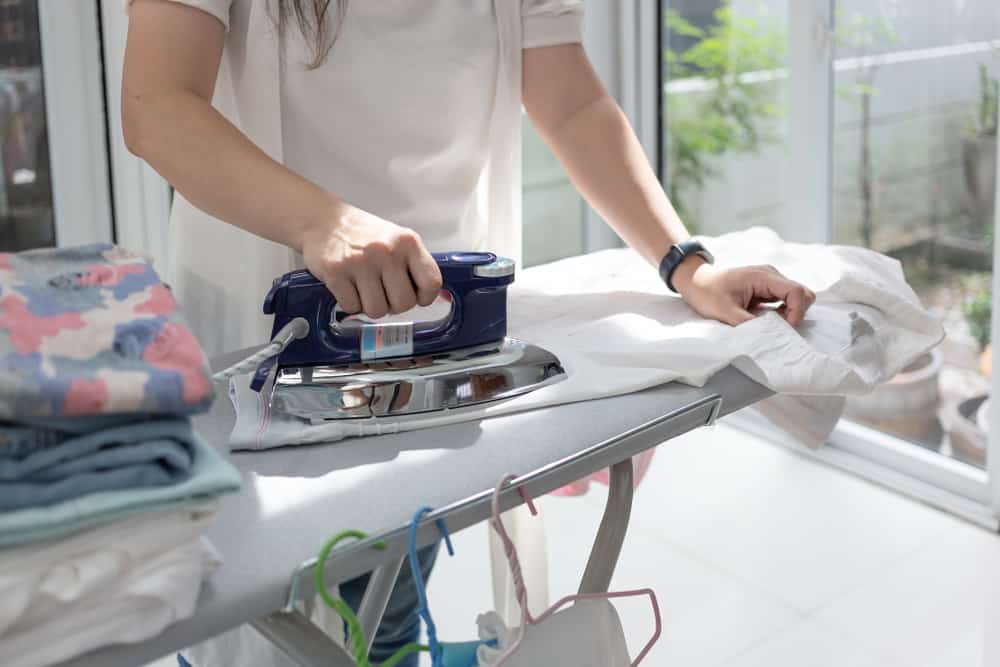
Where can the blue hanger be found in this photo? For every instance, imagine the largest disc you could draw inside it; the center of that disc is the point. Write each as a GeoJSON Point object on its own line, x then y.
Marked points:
{"type": "Point", "coordinates": [448, 654]}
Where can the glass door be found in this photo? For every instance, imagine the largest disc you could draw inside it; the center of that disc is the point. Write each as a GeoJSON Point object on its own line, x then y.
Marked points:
{"type": "Point", "coordinates": [863, 123]}
{"type": "Point", "coordinates": [26, 215]}
{"type": "Point", "coordinates": [54, 186]}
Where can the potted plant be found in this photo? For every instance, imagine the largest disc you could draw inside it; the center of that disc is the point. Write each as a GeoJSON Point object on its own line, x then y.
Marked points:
{"type": "Point", "coordinates": [861, 35]}
{"type": "Point", "coordinates": [967, 420]}
{"type": "Point", "coordinates": [979, 155]}
{"type": "Point", "coordinates": [978, 313]}
{"type": "Point", "coordinates": [906, 406]}
{"type": "Point", "coordinates": [725, 111]}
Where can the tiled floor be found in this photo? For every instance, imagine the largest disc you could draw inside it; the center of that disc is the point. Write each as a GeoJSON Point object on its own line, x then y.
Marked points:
{"type": "Point", "coordinates": [762, 558]}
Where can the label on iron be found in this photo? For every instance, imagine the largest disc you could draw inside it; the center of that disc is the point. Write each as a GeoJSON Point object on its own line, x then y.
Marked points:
{"type": "Point", "coordinates": [394, 339]}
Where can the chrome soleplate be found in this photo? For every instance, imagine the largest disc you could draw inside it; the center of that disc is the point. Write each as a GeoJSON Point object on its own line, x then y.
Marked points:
{"type": "Point", "coordinates": [413, 385]}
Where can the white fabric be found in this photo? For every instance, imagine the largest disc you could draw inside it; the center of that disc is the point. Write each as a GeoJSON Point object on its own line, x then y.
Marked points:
{"type": "Point", "coordinates": [416, 116]}
{"type": "Point", "coordinates": [135, 604]}
{"type": "Point", "coordinates": [586, 634]}
{"type": "Point", "coordinates": [369, 124]}
{"type": "Point", "coordinates": [36, 580]}
{"type": "Point", "coordinates": [616, 329]}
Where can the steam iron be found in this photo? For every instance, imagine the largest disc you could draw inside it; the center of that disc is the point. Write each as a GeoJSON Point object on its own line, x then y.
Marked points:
{"type": "Point", "coordinates": [346, 369]}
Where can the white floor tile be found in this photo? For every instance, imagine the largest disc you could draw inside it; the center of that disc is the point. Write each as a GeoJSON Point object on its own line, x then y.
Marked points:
{"type": "Point", "coordinates": [809, 644]}
{"type": "Point", "coordinates": [939, 608]}
{"type": "Point", "coordinates": [761, 557]}
{"type": "Point", "coordinates": [797, 529]}
{"type": "Point", "coordinates": [707, 615]}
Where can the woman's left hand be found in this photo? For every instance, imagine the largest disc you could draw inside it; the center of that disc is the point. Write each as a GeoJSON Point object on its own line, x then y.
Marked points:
{"type": "Point", "coordinates": [731, 295]}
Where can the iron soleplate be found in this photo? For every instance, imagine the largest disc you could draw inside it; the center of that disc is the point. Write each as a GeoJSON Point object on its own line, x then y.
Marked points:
{"type": "Point", "coordinates": [414, 385]}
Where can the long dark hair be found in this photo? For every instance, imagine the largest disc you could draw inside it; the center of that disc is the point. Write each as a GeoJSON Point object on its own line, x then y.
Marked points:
{"type": "Point", "coordinates": [314, 20]}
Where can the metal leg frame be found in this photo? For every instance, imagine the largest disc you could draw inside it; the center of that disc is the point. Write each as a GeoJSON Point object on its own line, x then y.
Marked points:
{"type": "Point", "coordinates": [308, 646]}
{"type": "Point", "coordinates": [611, 535]}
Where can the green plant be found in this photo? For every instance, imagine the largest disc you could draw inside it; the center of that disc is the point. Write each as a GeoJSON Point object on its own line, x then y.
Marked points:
{"type": "Point", "coordinates": [861, 34]}
{"type": "Point", "coordinates": [978, 313]}
{"type": "Point", "coordinates": [985, 122]}
{"type": "Point", "coordinates": [728, 107]}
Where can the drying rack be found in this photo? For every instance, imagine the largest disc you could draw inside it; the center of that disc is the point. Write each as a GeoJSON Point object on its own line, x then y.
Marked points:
{"type": "Point", "coordinates": [308, 646]}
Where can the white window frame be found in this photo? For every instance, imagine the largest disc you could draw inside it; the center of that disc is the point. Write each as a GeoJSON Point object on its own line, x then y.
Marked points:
{"type": "Point", "coordinates": [75, 120]}
{"type": "Point", "coordinates": [141, 196]}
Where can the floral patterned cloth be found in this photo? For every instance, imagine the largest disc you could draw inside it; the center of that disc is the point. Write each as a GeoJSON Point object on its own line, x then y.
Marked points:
{"type": "Point", "coordinates": [90, 331]}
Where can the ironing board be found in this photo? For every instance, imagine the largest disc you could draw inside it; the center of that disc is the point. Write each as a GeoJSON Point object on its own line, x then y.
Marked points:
{"type": "Point", "coordinates": [294, 498]}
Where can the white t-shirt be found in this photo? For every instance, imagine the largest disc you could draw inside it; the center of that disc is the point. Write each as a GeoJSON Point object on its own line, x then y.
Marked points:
{"type": "Point", "coordinates": [396, 121]}
{"type": "Point", "coordinates": [413, 116]}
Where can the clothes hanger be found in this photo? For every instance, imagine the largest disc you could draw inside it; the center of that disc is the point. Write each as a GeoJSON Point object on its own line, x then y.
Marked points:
{"type": "Point", "coordinates": [357, 642]}
{"type": "Point", "coordinates": [521, 594]}
{"type": "Point", "coordinates": [443, 654]}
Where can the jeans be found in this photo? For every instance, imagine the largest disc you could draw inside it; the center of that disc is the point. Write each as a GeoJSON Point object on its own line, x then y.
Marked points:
{"type": "Point", "coordinates": [401, 622]}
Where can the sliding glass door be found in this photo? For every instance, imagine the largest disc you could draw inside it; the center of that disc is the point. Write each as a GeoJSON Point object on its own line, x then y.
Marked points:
{"type": "Point", "coordinates": [862, 123]}
{"type": "Point", "coordinates": [54, 186]}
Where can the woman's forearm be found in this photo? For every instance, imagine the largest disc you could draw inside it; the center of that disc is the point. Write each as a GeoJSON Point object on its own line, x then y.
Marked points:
{"type": "Point", "coordinates": [220, 171]}
{"type": "Point", "coordinates": [593, 140]}
{"type": "Point", "coordinates": [172, 59]}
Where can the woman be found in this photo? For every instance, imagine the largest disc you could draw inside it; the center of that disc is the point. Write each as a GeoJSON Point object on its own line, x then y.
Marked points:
{"type": "Point", "coordinates": [360, 134]}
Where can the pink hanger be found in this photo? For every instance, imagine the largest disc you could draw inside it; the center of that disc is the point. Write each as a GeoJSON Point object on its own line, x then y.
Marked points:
{"type": "Point", "coordinates": [521, 592]}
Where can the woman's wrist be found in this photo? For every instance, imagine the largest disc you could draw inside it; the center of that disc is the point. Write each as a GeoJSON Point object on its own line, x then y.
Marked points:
{"type": "Point", "coordinates": [684, 275]}
{"type": "Point", "coordinates": [319, 216]}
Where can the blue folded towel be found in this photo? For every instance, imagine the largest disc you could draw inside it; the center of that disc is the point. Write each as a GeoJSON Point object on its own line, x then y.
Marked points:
{"type": "Point", "coordinates": [209, 477]}
{"type": "Point", "coordinates": [47, 470]}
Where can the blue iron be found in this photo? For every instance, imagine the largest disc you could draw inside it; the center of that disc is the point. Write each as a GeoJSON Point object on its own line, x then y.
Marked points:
{"type": "Point", "coordinates": [345, 368]}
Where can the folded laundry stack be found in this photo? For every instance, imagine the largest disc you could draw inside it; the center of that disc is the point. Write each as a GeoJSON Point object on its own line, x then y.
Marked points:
{"type": "Point", "coordinates": [105, 488]}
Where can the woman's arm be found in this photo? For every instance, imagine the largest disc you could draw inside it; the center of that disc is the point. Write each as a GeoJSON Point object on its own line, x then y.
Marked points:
{"type": "Point", "coordinates": [590, 135]}
{"type": "Point", "coordinates": [171, 63]}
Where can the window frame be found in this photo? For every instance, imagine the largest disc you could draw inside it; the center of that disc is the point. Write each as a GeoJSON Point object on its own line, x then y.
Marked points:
{"type": "Point", "coordinates": [75, 121]}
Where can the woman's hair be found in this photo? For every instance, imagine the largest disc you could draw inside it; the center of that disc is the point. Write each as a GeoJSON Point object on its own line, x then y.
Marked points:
{"type": "Point", "coordinates": [313, 19]}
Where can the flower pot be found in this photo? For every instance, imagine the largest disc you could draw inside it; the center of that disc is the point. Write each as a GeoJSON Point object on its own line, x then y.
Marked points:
{"type": "Point", "coordinates": [905, 406]}
{"type": "Point", "coordinates": [965, 421]}
{"type": "Point", "coordinates": [983, 417]}
{"type": "Point", "coordinates": [979, 168]}
{"type": "Point", "coordinates": [986, 361]}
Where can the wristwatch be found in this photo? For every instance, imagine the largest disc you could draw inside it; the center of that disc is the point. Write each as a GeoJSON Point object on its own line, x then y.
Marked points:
{"type": "Point", "coordinates": [677, 254]}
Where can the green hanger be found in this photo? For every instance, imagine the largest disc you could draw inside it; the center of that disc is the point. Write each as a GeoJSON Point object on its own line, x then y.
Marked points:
{"type": "Point", "coordinates": [355, 635]}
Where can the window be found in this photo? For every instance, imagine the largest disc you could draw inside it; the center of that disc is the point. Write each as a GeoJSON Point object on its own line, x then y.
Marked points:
{"type": "Point", "coordinates": [863, 123]}
{"type": "Point", "coordinates": [54, 182]}
{"type": "Point", "coordinates": [26, 219]}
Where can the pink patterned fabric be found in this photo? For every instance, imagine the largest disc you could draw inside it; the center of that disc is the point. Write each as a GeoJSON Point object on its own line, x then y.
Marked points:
{"type": "Point", "coordinates": [93, 331]}
{"type": "Point", "coordinates": [640, 464]}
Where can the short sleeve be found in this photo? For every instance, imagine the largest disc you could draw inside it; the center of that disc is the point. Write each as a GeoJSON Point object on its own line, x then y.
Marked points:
{"type": "Point", "coordinates": [217, 8]}
{"type": "Point", "coordinates": [551, 22]}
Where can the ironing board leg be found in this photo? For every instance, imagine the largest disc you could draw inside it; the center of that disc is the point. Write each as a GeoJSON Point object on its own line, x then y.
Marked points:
{"type": "Point", "coordinates": [300, 640]}
{"type": "Point", "coordinates": [611, 535]}
{"type": "Point", "coordinates": [377, 597]}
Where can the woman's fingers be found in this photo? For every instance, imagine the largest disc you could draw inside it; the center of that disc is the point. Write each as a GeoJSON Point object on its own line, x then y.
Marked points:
{"type": "Point", "coordinates": [373, 299]}
{"type": "Point", "coordinates": [426, 275]}
{"type": "Point", "coordinates": [796, 298]}
{"type": "Point", "coordinates": [399, 289]}
{"type": "Point", "coordinates": [345, 293]}
{"type": "Point", "coordinates": [736, 315]}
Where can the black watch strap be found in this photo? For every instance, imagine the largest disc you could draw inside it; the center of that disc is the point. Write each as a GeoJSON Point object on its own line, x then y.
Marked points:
{"type": "Point", "coordinates": [677, 254]}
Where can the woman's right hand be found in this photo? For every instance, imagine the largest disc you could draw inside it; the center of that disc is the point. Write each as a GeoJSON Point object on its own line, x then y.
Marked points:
{"type": "Point", "coordinates": [371, 265]}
